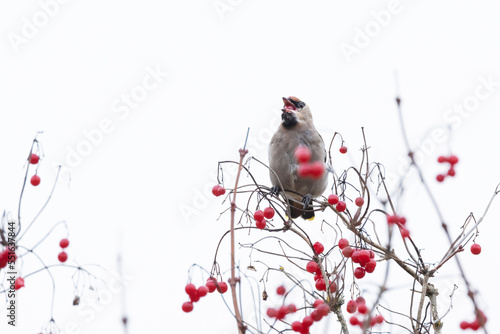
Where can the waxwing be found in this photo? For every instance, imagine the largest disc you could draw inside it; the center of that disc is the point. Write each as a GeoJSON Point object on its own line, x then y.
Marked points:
{"type": "Point", "coordinates": [296, 128]}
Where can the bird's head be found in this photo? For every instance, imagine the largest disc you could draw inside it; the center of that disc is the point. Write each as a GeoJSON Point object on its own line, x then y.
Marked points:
{"type": "Point", "coordinates": [295, 112]}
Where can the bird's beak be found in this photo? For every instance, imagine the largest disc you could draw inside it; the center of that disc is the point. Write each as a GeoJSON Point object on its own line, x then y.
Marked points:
{"type": "Point", "coordinates": [289, 106]}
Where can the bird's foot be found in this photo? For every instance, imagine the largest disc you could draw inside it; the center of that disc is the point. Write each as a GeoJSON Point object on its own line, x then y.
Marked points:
{"type": "Point", "coordinates": [307, 200]}
{"type": "Point", "coordinates": [308, 211]}
{"type": "Point", "coordinates": [274, 191]}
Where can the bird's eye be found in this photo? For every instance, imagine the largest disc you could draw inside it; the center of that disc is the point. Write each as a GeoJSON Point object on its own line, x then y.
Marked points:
{"type": "Point", "coordinates": [298, 104]}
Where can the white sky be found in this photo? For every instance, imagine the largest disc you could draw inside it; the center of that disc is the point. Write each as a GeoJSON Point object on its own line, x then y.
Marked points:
{"type": "Point", "coordinates": [199, 78]}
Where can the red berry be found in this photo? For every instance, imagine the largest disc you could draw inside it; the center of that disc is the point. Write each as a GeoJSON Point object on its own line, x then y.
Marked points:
{"type": "Point", "coordinates": [211, 286]}
{"type": "Point", "coordinates": [281, 290]}
{"type": "Point", "coordinates": [464, 325]}
{"type": "Point", "coordinates": [258, 215]}
{"type": "Point", "coordinates": [312, 267]}
{"type": "Point", "coordinates": [302, 154]}
{"type": "Point", "coordinates": [320, 285]}
{"type": "Point", "coordinates": [442, 159]}
{"type": "Point", "coordinates": [360, 300]}
{"type": "Point", "coordinates": [261, 224]}
{"type": "Point", "coordinates": [351, 306]}
{"type": "Point", "coordinates": [217, 190]}
{"type": "Point", "coordinates": [440, 177]}
{"type": "Point", "coordinates": [202, 291]}
{"type": "Point", "coordinates": [340, 206]}
{"type": "Point", "coordinates": [304, 170]}
{"type": "Point", "coordinates": [3, 262]}
{"type": "Point", "coordinates": [364, 256]}
{"type": "Point", "coordinates": [18, 283]}
{"type": "Point", "coordinates": [4, 257]}
{"type": "Point", "coordinates": [347, 251]}
{"type": "Point", "coordinates": [354, 321]}
{"type": "Point", "coordinates": [35, 180]}
{"type": "Point", "coordinates": [402, 220]}
{"type": "Point", "coordinates": [359, 201]}
{"type": "Point", "coordinates": [34, 159]}
{"type": "Point", "coordinates": [292, 308]}
{"type": "Point", "coordinates": [405, 233]}
{"type": "Point", "coordinates": [190, 289]}
{"type": "Point", "coordinates": [195, 296]}
{"type": "Point", "coordinates": [452, 159]}
{"type": "Point", "coordinates": [474, 325]}
{"type": "Point", "coordinates": [317, 169]}
{"type": "Point", "coordinates": [297, 326]}
{"type": "Point", "coordinates": [307, 321]}
{"type": "Point", "coordinates": [362, 308]}
{"type": "Point", "coordinates": [64, 243]}
{"type": "Point", "coordinates": [451, 172]}
{"type": "Point", "coordinates": [269, 212]}
{"type": "Point", "coordinates": [333, 199]}
{"type": "Point", "coordinates": [318, 247]}
{"type": "Point", "coordinates": [379, 319]}
{"type": "Point", "coordinates": [343, 149]}
{"type": "Point", "coordinates": [359, 272]}
{"type": "Point", "coordinates": [187, 307]}
{"type": "Point", "coordinates": [392, 219]}
{"type": "Point", "coordinates": [271, 312]}
{"type": "Point", "coordinates": [317, 303]}
{"type": "Point", "coordinates": [316, 315]}
{"type": "Point", "coordinates": [222, 287]}
{"type": "Point", "coordinates": [475, 249]}
{"type": "Point", "coordinates": [282, 312]}
{"type": "Point", "coordinates": [62, 257]}
{"type": "Point", "coordinates": [370, 266]}
{"type": "Point", "coordinates": [343, 243]}
{"type": "Point", "coordinates": [355, 256]}
{"type": "Point", "coordinates": [333, 286]}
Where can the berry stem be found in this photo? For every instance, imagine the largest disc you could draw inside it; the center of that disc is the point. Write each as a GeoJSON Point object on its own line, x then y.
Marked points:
{"type": "Point", "coordinates": [232, 282]}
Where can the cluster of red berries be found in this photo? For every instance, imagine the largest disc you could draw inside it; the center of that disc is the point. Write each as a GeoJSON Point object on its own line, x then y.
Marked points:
{"type": "Point", "coordinates": [476, 324]}
{"type": "Point", "coordinates": [218, 190]}
{"type": "Point", "coordinates": [313, 268]}
{"type": "Point", "coordinates": [314, 169]}
{"type": "Point", "coordinates": [359, 305]}
{"type": "Point", "coordinates": [452, 160]}
{"type": "Point", "coordinates": [321, 310]}
{"type": "Point", "coordinates": [33, 159]}
{"type": "Point", "coordinates": [4, 257]}
{"type": "Point", "coordinates": [365, 258]}
{"type": "Point", "coordinates": [63, 256]}
{"type": "Point", "coordinates": [281, 312]}
{"type": "Point", "coordinates": [260, 217]}
{"type": "Point", "coordinates": [340, 206]}
{"type": "Point", "coordinates": [400, 221]}
{"type": "Point", "coordinates": [4, 260]}
{"type": "Point", "coordinates": [196, 293]}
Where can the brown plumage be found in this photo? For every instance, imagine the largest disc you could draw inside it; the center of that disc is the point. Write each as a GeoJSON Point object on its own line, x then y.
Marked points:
{"type": "Point", "coordinates": [296, 129]}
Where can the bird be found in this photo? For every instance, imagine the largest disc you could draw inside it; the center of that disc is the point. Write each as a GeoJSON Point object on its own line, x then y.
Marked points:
{"type": "Point", "coordinates": [296, 129]}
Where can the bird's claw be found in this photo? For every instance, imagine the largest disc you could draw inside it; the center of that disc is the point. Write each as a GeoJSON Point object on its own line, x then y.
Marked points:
{"type": "Point", "coordinates": [307, 200]}
{"type": "Point", "coordinates": [274, 191]}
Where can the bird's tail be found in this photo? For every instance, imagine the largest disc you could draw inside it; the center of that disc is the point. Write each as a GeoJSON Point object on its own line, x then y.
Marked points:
{"type": "Point", "coordinates": [297, 209]}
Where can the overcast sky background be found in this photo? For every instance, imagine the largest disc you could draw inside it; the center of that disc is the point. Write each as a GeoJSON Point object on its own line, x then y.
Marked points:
{"type": "Point", "coordinates": [139, 100]}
